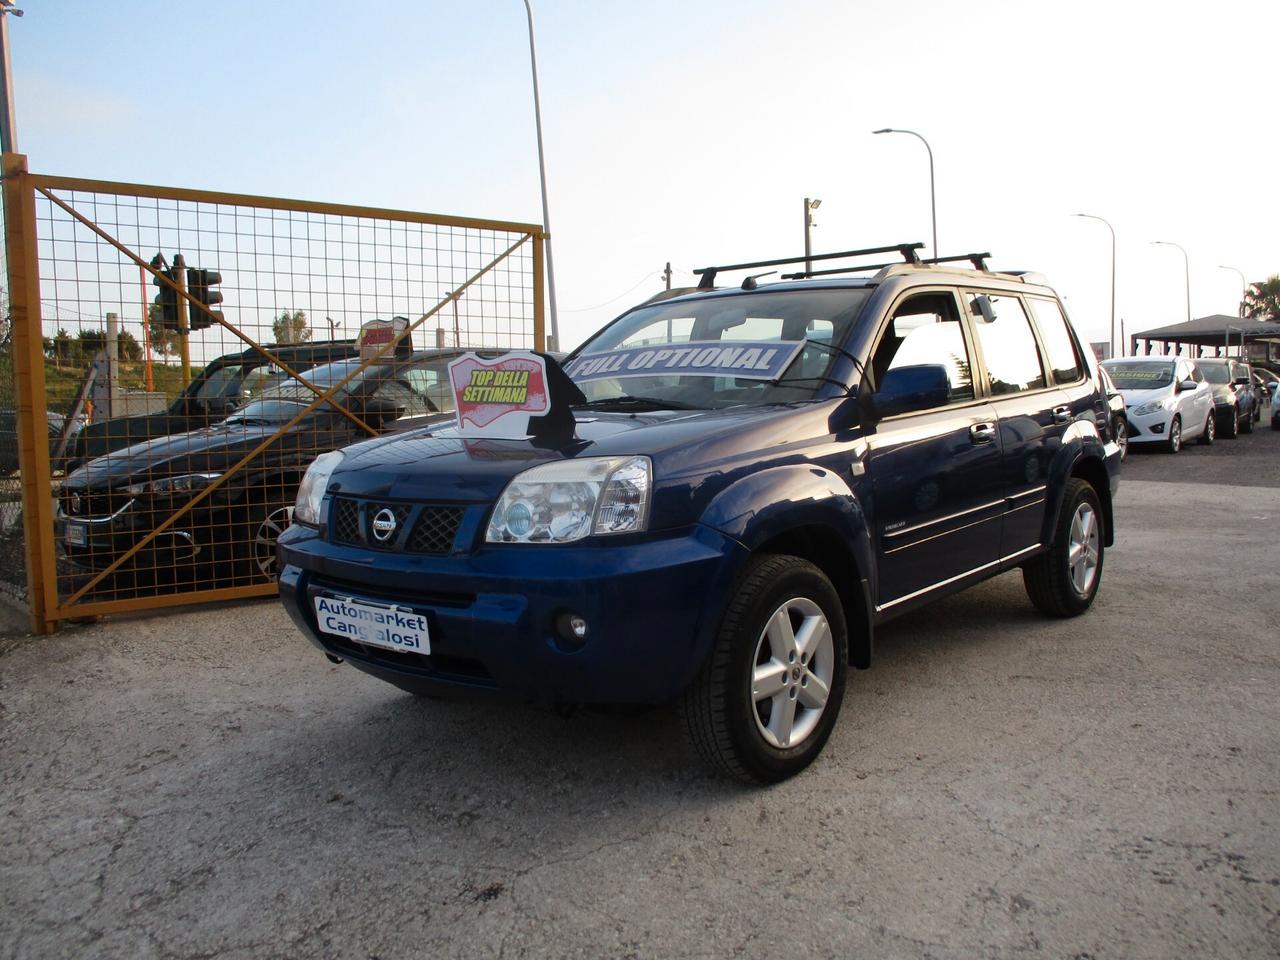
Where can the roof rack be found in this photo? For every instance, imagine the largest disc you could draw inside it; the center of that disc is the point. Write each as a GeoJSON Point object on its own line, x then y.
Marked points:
{"type": "Point", "coordinates": [979, 261]}
{"type": "Point", "coordinates": [906, 250]}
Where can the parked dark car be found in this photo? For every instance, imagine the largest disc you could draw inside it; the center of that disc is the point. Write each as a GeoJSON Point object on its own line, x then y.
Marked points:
{"type": "Point", "coordinates": [716, 529]}
{"type": "Point", "coordinates": [113, 502]}
{"type": "Point", "coordinates": [1235, 402]}
{"type": "Point", "coordinates": [9, 437]}
{"type": "Point", "coordinates": [212, 394]}
{"type": "Point", "coordinates": [1115, 406]}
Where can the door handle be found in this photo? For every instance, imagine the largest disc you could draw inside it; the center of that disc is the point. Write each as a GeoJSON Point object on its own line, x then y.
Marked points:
{"type": "Point", "coordinates": [1061, 414]}
{"type": "Point", "coordinates": [982, 432]}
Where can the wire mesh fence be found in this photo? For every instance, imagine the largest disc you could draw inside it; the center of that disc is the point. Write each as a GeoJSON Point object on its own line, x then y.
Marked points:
{"type": "Point", "coordinates": [199, 351]}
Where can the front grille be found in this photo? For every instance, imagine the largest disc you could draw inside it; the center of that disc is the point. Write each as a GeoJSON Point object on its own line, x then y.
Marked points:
{"type": "Point", "coordinates": [435, 530]}
{"type": "Point", "coordinates": [89, 503]}
{"type": "Point", "coordinates": [434, 527]}
{"type": "Point", "coordinates": [346, 521]}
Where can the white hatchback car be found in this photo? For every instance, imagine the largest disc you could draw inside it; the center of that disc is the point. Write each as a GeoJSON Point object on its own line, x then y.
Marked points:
{"type": "Point", "coordinates": [1166, 400]}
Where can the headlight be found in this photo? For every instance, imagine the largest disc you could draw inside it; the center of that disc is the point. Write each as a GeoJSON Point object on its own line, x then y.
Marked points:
{"type": "Point", "coordinates": [1154, 406]}
{"type": "Point", "coordinates": [170, 486]}
{"type": "Point", "coordinates": [311, 491]}
{"type": "Point", "coordinates": [572, 499]}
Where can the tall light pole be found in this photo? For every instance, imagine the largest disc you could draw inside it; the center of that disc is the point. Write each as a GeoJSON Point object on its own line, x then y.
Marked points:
{"type": "Point", "coordinates": [542, 174]}
{"type": "Point", "coordinates": [1187, 263]}
{"type": "Point", "coordinates": [1113, 274]}
{"type": "Point", "coordinates": [933, 197]}
{"type": "Point", "coordinates": [809, 207]}
{"type": "Point", "coordinates": [8, 131]}
{"type": "Point", "coordinates": [1244, 285]}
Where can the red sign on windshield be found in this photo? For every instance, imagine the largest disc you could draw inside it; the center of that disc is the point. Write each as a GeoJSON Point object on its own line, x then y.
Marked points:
{"type": "Point", "coordinates": [495, 398]}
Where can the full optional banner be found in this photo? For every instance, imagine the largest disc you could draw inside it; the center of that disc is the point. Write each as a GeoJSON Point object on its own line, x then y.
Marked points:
{"type": "Point", "coordinates": [749, 359]}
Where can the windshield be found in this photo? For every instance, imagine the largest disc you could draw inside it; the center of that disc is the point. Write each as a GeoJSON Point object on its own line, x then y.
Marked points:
{"type": "Point", "coordinates": [281, 401]}
{"type": "Point", "coordinates": [751, 348]}
{"type": "Point", "coordinates": [1140, 376]}
{"type": "Point", "coordinates": [1216, 372]}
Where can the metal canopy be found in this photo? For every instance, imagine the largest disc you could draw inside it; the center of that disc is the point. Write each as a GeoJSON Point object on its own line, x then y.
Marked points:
{"type": "Point", "coordinates": [1212, 331]}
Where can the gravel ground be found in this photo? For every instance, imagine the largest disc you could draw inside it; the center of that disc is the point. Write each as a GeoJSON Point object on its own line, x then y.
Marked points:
{"type": "Point", "coordinates": [204, 784]}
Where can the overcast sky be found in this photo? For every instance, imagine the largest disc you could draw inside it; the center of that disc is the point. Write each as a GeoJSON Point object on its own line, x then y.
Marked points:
{"type": "Point", "coordinates": [692, 131]}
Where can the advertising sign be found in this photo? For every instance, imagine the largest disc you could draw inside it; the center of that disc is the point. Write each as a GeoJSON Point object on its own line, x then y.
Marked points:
{"type": "Point", "coordinates": [496, 397]}
{"type": "Point", "coordinates": [747, 359]}
{"type": "Point", "coordinates": [376, 334]}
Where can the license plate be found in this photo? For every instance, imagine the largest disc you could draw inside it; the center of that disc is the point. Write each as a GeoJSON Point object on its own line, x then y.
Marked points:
{"type": "Point", "coordinates": [392, 628]}
{"type": "Point", "coordinates": [76, 534]}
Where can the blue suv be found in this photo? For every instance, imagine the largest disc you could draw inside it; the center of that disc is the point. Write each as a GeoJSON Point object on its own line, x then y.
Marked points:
{"type": "Point", "coordinates": [754, 479]}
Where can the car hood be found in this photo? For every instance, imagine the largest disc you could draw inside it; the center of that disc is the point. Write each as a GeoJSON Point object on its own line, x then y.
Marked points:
{"type": "Point", "coordinates": [439, 464]}
{"type": "Point", "coordinates": [209, 450]}
{"type": "Point", "coordinates": [1136, 398]}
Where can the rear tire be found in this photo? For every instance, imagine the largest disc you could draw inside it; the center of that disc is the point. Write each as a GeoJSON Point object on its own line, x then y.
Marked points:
{"type": "Point", "coordinates": [768, 696]}
{"type": "Point", "coordinates": [1210, 430]}
{"type": "Point", "coordinates": [1063, 580]}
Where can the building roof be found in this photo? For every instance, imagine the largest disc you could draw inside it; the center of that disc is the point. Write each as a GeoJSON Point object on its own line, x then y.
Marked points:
{"type": "Point", "coordinates": [1213, 330]}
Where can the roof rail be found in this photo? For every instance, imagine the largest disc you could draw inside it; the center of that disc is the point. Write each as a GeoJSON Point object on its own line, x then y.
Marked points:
{"type": "Point", "coordinates": [979, 261]}
{"type": "Point", "coordinates": [906, 250]}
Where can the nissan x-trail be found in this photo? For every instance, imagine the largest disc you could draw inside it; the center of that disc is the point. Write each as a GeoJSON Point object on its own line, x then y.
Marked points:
{"type": "Point", "coordinates": [730, 535]}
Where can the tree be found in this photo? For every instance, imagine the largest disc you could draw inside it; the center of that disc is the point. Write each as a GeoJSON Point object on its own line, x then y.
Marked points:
{"type": "Point", "coordinates": [164, 342]}
{"type": "Point", "coordinates": [128, 347]}
{"type": "Point", "coordinates": [1262, 300]}
{"type": "Point", "coordinates": [61, 348]}
{"type": "Point", "coordinates": [291, 328]}
{"type": "Point", "coordinates": [89, 342]}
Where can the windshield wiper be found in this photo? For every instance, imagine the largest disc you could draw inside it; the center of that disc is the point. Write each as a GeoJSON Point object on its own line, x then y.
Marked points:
{"type": "Point", "coordinates": [626, 401]}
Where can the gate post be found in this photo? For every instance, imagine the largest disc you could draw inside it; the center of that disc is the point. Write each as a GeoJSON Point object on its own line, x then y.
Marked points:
{"type": "Point", "coordinates": [539, 315]}
{"type": "Point", "coordinates": [28, 375]}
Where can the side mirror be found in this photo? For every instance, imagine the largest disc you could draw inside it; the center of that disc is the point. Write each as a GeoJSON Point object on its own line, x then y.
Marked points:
{"type": "Point", "coordinates": [906, 389]}
{"type": "Point", "coordinates": [1242, 381]}
{"type": "Point", "coordinates": [1186, 385]}
{"type": "Point", "coordinates": [981, 306]}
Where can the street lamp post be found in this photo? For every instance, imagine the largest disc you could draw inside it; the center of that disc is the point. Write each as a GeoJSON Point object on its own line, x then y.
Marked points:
{"type": "Point", "coordinates": [1186, 263]}
{"type": "Point", "coordinates": [1113, 273]}
{"type": "Point", "coordinates": [933, 197]}
{"type": "Point", "coordinates": [809, 207]}
{"type": "Point", "coordinates": [542, 175]}
{"type": "Point", "coordinates": [1244, 285]}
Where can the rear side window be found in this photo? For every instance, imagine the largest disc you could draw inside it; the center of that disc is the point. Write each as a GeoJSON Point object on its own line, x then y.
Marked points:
{"type": "Point", "coordinates": [1056, 337]}
{"type": "Point", "coordinates": [1008, 345]}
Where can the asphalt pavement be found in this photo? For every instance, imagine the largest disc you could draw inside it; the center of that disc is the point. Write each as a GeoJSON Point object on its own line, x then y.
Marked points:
{"type": "Point", "coordinates": [204, 784]}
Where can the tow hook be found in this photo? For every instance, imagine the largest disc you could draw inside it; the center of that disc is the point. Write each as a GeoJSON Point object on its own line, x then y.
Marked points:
{"type": "Point", "coordinates": [332, 659]}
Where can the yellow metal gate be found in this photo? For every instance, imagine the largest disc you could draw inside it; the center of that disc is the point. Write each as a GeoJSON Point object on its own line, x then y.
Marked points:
{"type": "Point", "coordinates": [180, 356]}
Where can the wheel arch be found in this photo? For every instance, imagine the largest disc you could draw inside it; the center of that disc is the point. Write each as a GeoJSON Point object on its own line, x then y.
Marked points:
{"type": "Point", "coordinates": [807, 511]}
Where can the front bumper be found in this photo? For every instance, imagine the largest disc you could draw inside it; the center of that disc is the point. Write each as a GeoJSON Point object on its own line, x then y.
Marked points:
{"type": "Point", "coordinates": [94, 543]}
{"type": "Point", "coordinates": [1149, 428]}
{"type": "Point", "coordinates": [652, 605]}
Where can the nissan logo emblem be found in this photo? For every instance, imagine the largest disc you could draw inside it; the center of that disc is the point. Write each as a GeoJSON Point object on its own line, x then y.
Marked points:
{"type": "Point", "coordinates": [384, 525]}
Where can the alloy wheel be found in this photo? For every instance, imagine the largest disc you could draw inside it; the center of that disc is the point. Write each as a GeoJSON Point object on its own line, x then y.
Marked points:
{"type": "Point", "coordinates": [265, 537]}
{"type": "Point", "coordinates": [793, 668]}
{"type": "Point", "coordinates": [1082, 549]}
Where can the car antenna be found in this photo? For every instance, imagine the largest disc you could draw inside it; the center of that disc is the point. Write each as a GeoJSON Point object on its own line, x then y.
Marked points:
{"type": "Point", "coordinates": [750, 282]}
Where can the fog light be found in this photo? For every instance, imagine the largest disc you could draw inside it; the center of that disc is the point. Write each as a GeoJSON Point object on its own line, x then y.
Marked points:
{"type": "Point", "coordinates": [1157, 428]}
{"type": "Point", "coordinates": [572, 629]}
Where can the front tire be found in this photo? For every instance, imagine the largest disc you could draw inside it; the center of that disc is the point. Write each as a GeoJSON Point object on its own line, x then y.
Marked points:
{"type": "Point", "coordinates": [1120, 431]}
{"type": "Point", "coordinates": [1174, 443]}
{"type": "Point", "coordinates": [1247, 426]}
{"type": "Point", "coordinates": [1233, 424]}
{"type": "Point", "coordinates": [766, 700]}
{"type": "Point", "coordinates": [1063, 580]}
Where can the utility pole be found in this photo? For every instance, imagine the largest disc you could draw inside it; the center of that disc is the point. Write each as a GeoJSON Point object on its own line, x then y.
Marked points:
{"type": "Point", "coordinates": [667, 274]}
{"type": "Point", "coordinates": [8, 129]}
{"type": "Point", "coordinates": [809, 207]}
{"type": "Point", "coordinates": [184, 327]}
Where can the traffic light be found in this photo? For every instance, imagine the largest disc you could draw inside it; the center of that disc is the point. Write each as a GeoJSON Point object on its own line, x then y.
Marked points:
{"type": "Point", "coordinates": [167, 298]}
{"type": "Point", "coordinates": [200, 284]}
